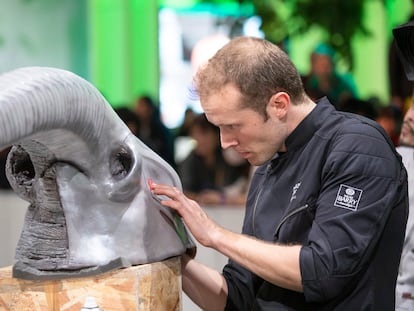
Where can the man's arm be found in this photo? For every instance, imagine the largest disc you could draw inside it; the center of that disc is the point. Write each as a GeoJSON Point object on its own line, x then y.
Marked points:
{"type": "Point", "coordinates": [205, 286]}
{"type": "Point", "coordinates": [275, 263]}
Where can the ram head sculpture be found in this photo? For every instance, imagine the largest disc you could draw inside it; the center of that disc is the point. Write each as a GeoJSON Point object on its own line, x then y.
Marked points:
{"type": "Point", "coordinates": [85, 176]}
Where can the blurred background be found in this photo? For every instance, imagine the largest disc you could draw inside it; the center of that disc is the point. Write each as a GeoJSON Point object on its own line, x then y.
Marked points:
{"type": "Point", "coordinates": [130, 48]}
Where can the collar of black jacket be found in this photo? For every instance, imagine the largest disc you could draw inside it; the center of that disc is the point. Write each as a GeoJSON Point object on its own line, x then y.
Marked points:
{"type": "Point", "coordinates": [307, 128]}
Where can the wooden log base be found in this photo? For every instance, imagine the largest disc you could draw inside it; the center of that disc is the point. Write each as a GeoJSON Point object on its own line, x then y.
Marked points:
{"type": "Point", "coordinates": [149, 287]}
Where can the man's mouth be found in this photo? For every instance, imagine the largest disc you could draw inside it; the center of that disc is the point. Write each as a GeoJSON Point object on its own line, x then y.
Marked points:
{"type": "Point", "coordinates": [244, 154]}
{"type": "Point", "coordinates": [407, 129]}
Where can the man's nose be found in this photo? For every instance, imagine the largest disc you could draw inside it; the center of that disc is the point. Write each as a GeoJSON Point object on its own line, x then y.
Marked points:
{"type": "Point", "coordinates": [227, 140]}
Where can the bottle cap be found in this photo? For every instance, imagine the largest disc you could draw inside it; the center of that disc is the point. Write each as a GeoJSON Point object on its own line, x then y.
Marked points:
{"type": "Point", "coordinates": [90, 303]}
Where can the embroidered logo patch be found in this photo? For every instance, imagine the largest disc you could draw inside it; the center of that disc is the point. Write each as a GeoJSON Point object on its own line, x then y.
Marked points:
{"type": "Point", "coordinates": [348, 197]}
{"type": "Point", "coordinates": [294, 190]}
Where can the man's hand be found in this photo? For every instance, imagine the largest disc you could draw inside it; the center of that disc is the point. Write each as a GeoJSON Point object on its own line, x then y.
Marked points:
{"type": "Point", "coordinates": [276, 263]}
{"type": "Point", "coordinates": [201, 226]}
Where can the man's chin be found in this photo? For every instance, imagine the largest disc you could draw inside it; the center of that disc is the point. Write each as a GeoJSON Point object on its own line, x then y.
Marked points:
{"type": "Point", "coordinates": [406, 142]}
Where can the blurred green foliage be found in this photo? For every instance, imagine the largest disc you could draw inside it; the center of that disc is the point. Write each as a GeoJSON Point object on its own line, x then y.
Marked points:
{"type": "Point", "coordinates": [340, 20]}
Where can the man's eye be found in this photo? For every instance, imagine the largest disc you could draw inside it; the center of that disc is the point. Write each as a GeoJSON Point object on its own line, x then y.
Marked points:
{"type": "Point", "coordinates": [228, 127]}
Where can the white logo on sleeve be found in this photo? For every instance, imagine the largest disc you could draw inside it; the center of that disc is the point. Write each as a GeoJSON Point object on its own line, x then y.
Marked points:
{"type": "Point", "coordinates": [348, 197]}
{"type": "Point", "coordinates": [294, 190]}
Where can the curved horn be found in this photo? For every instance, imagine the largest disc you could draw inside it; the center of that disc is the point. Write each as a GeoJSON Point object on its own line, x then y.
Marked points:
{"type": "Point", "coordinates": [34, 99]}
{"type": "Point", "coordinates": [67, 110]}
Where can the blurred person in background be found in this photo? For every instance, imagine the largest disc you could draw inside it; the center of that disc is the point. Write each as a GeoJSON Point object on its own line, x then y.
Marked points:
{"type": "Point", "coordinates": [184, 128]}
{"type": "Point", "coordinates": [405, 280]}
{"type": "Point", "coordinates": [130, 119]}
{"type": "Point", "coordinates": [389, 117]}
{"type": "Point", "coordinates": [324, 80]}
{"type": "Point", "coordinates": [404, 40]}
{"type": "Point", "coordinates": [235, 193]}
{"type": "Point", "coordinates": [153, 131]}
{"type": "Point", "coordinates": [206, 175]}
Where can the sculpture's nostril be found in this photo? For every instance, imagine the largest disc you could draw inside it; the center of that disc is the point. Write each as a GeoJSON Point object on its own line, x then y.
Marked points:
{"type": "Point", "coordinates": [121, 163]}
{"type": "Point", "coordinates": [22, 167]}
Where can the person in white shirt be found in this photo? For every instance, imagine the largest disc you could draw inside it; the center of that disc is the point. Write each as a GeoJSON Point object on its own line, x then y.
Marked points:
{"type": "Point", "coordinates": [405, 281]}
{"type": "Point", "coordinates": [404, 37]}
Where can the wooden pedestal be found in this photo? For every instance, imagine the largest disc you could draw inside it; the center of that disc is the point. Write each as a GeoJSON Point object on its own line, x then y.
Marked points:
{"type": "Point", "coordinates": [149, 287]}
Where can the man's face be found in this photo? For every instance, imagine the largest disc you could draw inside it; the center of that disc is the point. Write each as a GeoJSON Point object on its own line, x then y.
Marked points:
{"type": "Point", "coordinates": [407, 129]}
{"type": "Point", "coordinates": [243, 129]}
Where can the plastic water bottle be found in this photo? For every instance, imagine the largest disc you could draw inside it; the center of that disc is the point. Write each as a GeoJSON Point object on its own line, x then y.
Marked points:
{"type": "Point", "coordinates": [90, 305]}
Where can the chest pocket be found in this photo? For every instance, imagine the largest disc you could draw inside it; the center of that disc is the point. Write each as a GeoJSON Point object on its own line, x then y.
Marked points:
{"type": "Point", "coordinates": [296, 223]}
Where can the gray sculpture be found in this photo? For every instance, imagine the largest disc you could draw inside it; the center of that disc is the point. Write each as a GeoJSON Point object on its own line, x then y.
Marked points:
{"type": "Point", "coordinates": [85, 176]}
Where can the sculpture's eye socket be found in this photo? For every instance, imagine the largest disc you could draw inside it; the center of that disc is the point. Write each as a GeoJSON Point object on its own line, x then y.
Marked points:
{"type": "Point", "coordinates": [22, 167]}
{"type": "Point", "coordinates": [121, 163]}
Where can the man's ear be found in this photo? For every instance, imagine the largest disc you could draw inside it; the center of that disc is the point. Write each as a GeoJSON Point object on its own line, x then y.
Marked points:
{"type": "Point", "coordinates": [279, 105]}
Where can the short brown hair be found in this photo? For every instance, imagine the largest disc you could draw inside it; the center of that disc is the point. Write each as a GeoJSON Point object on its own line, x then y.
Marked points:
{"type": "Point", "coordinates": [256, 67]}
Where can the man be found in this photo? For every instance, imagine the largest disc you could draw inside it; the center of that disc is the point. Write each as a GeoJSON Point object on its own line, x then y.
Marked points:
{"type": "Point", "coordinates": [326, 210]}
{"type": "Point", "coordinates": [405, 280]}
{"type": "Point", "coordinates": [404, 40]}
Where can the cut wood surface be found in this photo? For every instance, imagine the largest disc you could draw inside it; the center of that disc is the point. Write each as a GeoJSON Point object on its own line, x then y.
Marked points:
{"type": "Point", "coordinates": [149, 287]}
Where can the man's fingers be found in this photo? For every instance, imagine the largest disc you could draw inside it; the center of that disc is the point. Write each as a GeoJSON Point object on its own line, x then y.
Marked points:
{"type": "Point", "coordinates": [164, 190]}
{"type": "Point", "coordinates": [175, 196]}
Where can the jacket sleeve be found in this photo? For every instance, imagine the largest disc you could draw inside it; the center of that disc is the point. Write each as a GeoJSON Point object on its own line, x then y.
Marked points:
{"type": "Point", "coordinates": [241, 285]}
{"type": "Point", "coordinates": [362, 181]}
